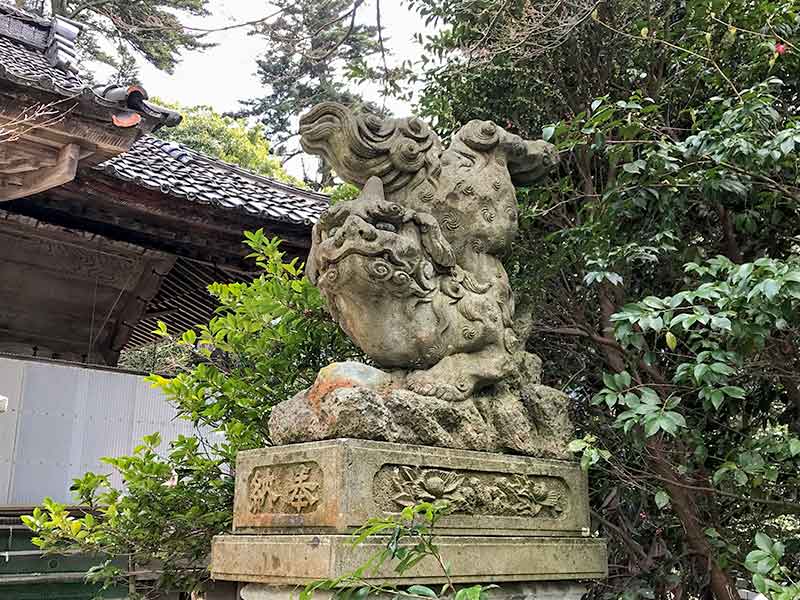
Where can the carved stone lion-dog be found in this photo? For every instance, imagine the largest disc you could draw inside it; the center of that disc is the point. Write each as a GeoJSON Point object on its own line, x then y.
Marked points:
{"type": "Point", "coordinates": [412, 272]}
{"type": "Point", "coordinates": [393, 285]}
{"type": "Point", "coordinates": [446, 310]}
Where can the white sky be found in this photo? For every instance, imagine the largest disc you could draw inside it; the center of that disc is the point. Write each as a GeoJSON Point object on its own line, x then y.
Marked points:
{"type": "Point", "coordinates": [225, 74]}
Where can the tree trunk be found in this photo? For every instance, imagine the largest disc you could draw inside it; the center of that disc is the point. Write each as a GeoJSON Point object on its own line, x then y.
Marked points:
{"type": "Point", "coordinates": [732, 250]}
{"type": "Point", "coordinates": [682, 497]}
{"type": "Point", "coordinates": [721, 585]}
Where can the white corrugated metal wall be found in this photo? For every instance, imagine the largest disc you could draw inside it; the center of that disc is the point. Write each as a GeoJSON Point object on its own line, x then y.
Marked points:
{"type": "Point", "coordinates": [62, 419]}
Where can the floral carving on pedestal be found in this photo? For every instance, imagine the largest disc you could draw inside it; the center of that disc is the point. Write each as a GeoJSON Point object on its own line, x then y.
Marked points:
{"type": "Point", "coordinates": [284, 489]}
{"type": "Point", "coordinates": [473, 492]}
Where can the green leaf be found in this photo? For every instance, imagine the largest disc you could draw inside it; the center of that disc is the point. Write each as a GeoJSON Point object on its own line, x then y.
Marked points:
{"type": "Point", "coordinates": [794, 446]}
{"type": "Point", "coordinates": [586, 461]}
{"type": "Point", "coordinates": [721, 323]}
{"type": "Point", "coordinates": [662, 499]}
{"type": "Point", "coordinates": [576, 445]}
{"type": "Point", "coordinates": [470, 593]}
{"type": "Point", "coordinates": [623, 379]}
{"type": "Point", "coordinates": [733, 391]}
{"type": "Point", "coordinates": [649, 396]}
{"type": "Point", "coordinates": [633, 168]}
{"type": "Point", "coordinates": [672, 341]}
{"type": "Point", "coordinates": [763, 542]}
{"type": "Point", "coordinates": [421, 590]}
{"type": "Point", "coordinates": [610, 382]}
{"type": "Point", "coordinates": [760, 584]}
{"type": "Point", "coordinates": [699, 372]}
{"type": "Point", "coordinates": [677, 418]}
{"type": "Point", "coordinates": [722, 369]}
{"type": "Point", "coordinates": [652, 425]}
{"type": "Point", "coordinates": [770, 288]}
{"type": "Point", "coordinates": [632, 400]}
{"type": "Point", "coordinates": [547, 132]}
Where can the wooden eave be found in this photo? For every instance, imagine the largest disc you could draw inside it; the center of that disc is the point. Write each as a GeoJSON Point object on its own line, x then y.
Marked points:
{"type": "Point", "coordinates": [47, 151]}
{"type": "Point", "coordinates": [75, 293]}
{"type": "Point", "coordinates": [122, 211]}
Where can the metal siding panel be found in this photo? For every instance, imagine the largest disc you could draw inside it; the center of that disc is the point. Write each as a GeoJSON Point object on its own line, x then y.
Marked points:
{"type": "Point", "coordinates": [153, 414]}
{"type": "Point", "coordinates": [11, 374]}
{"type": "Point", "coordinates": [5, 481]}
{"type": "Point", "coordinates": [70, 418]}
{"type": "Point", "coordinates": [44, 437]}
{"type": "Point", "coordinates": [108, 420]}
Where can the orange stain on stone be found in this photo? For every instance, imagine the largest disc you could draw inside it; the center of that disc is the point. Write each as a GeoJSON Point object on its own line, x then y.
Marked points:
{"type": "Point", "coordinates": [322, 388]}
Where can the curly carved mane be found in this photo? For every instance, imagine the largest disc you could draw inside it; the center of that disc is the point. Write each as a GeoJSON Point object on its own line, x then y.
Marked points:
{"type": "Point", "coordinates": [401, 152]}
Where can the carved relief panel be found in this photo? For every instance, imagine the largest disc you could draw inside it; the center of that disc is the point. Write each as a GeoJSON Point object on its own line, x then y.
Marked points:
{"type": "Point", "coordinates": [472, 492]}
{"type": "Point", "coordinates": [336, 485]}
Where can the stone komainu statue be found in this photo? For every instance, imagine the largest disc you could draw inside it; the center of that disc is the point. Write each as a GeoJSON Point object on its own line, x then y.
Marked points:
{"type": "Point", "coordinates": [411, 269]}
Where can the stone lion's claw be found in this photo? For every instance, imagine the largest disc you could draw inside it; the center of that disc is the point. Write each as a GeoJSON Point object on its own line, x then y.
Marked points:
{"type": "Point", "coordinates": [419, 384]}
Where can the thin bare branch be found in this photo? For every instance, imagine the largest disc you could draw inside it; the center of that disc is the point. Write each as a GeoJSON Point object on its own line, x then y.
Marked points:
{"type": "Point", "coordinates": [33, 117]}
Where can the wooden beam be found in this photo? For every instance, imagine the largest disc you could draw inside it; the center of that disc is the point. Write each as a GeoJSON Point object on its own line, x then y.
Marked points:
{"type": "Point", "coordinates": [16, 183]}
{"type": "Point", "coordinates": [215, 238]}
{"type": "Point", "coordinates": [65, 121]}
{"type": "Point", "coordinates": [74, 292]}
{"type": "Point", "coordinates": [143, 292]}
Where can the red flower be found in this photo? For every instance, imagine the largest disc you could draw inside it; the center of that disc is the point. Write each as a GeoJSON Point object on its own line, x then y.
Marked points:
{"type": "Point", "coordinates": [780, 48]}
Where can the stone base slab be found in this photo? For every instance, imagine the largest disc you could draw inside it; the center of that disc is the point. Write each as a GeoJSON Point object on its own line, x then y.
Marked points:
{"type": "Point", "coordinates": [542, 590]}
{"type": "Point", "coordinates": [334, 486]}
{"type": "Point", "coordinates": [301, 559]}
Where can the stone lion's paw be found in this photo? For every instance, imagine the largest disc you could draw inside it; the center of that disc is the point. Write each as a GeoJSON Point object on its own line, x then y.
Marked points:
{"type": "Point", "coordinates": [422, 383]}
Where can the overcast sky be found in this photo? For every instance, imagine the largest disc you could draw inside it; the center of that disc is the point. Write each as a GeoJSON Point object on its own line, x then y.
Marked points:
{"type": "Point", "coordinates": [225, 74]}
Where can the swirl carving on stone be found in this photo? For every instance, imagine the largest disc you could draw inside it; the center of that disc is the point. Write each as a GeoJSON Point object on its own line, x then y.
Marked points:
{"type": "Point", "coordinates": [411, 269]}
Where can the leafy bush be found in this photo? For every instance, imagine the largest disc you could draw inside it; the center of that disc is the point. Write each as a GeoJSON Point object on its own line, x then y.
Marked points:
{"type": "Point", "coordinates": [267, 342]}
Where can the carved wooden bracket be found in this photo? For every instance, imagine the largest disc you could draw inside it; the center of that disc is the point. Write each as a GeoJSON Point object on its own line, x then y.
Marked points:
{"type": "Point", "coordinates": [27, 168]}
{"type": "Point", "coordinates": [42, 144]}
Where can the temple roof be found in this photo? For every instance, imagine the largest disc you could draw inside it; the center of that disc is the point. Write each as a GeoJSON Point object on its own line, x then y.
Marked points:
{"type": "Point", "coordinates": [41, 54]}
{"type": "Point", "coordinates": [180, 172]}
{"type": "Point", "coordinates": [26, 62]}
{"type": "Point", "coordinates": [173, 215]}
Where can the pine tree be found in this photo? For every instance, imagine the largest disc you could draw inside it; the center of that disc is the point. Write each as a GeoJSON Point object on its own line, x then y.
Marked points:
{"type": "Point", "coordinates": [310, 48]}
{"type": "Point", "coordinates": [115, 31]}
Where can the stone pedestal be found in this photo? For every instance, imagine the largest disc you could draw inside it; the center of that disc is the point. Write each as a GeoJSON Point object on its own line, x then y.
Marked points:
{"type": "Point", "coordinates": [514, 519]}
{"type": "Point", "coordinates": [562, 590]}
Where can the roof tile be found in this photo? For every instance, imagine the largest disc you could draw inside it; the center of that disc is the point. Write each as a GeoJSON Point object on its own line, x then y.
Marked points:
{"type": "Point", "coordinates": [183, 173]}
{"type": "Point", "coordinates": [20, 62]}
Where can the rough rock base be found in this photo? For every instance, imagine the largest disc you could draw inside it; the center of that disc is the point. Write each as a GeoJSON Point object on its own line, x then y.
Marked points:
{"type": "Point", "coordinates": [353, 400]}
